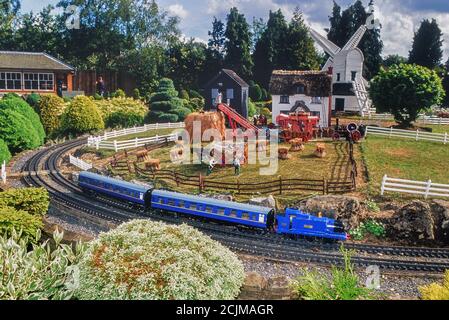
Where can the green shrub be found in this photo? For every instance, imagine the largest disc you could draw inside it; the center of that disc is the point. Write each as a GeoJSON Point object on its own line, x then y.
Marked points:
{"type": "Point", "coordinates": [33, 100]}
{"type": "Point", "coordinates": [17, 131]}
{"type": "Point", "coordinates": [266, 112]}
{"type": "Point", "coordinates": [196, 104]}
{"type": "Point", "coordinates": [136, 94]}
{"type": "Point", "coordinates": [51, 108]}
{"type": "Point", "coordinates": [119, 93]}
{"type": "Point", "coordinates": [34, 201]}
{"type": "Point", "coordinates": [372, 206]}
{"type": "Point", "coordinates": [12, 219]}
{"type": "Point", "coordinates": [11, 95]}
{"type": "Point", "coordinates": [166, 101]}
{"type": "Point", "coordinates": [436, 291]}
{"type": "Point", "coordinates": [252, 109]}
{"type": "Point", "coordinates": [368, 227]}
{"type": "Point", "coordinates": [255, 93]}
{"type": "Point", "coordinates": [343, 284]}
{"type": "Point", "coordinates": [150, 260]}
{"type": "Point", "coordinates": [123, 120]}
{"type": "Point", "coordinates": [5, 155]}
{"type": "Point", "coordinates": [264, 94]}
{"type": "Point", "coordinates": [44, 273]}
{"type": "Point", "coordinates": [182, 113]}
{"type": "Point", "coordinates": [195, 94]}
{"type": "Point", "coordinates": [20, 105]}
{"type": "Point", "coordinates": [81, 116]}
{"type": "Point", "coordinates": [183, 94]}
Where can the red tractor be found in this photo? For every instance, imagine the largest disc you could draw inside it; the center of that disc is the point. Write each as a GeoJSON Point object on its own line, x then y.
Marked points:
{"type": "Point", "coordinates": [297, 125]}
{"type": "Point", "coordinates": [350, 132]}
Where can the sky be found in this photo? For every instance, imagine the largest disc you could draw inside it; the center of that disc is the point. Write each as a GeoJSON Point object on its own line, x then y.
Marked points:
{"type": "Point", "coordinates": [399, 18]}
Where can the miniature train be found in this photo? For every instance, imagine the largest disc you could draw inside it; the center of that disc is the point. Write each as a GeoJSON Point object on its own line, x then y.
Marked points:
{"type": "Point", "coordinates": [294, 222]}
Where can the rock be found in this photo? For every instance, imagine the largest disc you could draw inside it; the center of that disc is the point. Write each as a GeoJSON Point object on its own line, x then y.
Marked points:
{"type": "Point", "coordinates": [257, 287]}
{"type": "Point", "coordinates": [269, 202]}
{"type": "Point", "coordinates": [348, 210]}
{"type": "Point", "coordinates": [440, 210]}
{"type": "Point", "coordinates": [225, 197]}
{"type": "Point", "coordinates": [413, 222]}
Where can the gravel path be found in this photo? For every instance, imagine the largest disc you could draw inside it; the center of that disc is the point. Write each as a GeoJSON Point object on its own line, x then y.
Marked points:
{"type": "Point", "coordinates": [392, 285]}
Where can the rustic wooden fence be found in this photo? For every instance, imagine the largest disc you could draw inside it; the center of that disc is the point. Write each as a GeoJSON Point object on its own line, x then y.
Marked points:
{"type": "Point", "coordinates": [86, 81]}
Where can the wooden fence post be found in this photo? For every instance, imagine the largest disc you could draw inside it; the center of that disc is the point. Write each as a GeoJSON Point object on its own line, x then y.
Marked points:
{"type": "Point", "coordinates": [280, 185]}
{"type": "Point", "coordinates": [429, 185]}
{"type": "Point", "coordinates": [176, 178]}
{"type": "Point", "coordinates": [417, 134]}
{"type": "Point", "coordinates": [200, 183]}
{"type": "Point", "coordinates": [382, 188]}
{"type": "Point", "coordinates": [238, 186]}
{"type": "Point", "coordinates": [115, 146]}
{"type": "Point", "coordinates": [325, 187]}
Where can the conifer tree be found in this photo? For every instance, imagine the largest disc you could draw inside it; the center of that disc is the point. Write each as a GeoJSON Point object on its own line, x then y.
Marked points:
{"type": "Point", "coordinates": [427, 45]}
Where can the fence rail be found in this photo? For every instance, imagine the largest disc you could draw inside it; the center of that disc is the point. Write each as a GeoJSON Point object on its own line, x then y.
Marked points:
{"type": "Point", "coordinates": [415, 135]}
{"type": "Point", "coordinates": [100, 141]}
{"type": "Point", "coordinates": [80, 163]}
{"type": "Point", "coordinates": [425, 188]}
{"type": "Point", "coordinates": [421, 119]}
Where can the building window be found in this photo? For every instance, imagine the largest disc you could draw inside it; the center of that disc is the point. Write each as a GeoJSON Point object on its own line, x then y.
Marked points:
{"type": "Point", "coordinates": [39, 81]}
{"type": "Point", "coordinates": [230, 94]}
{"type": "Point", "coordinates": [316, 100]}
{"type": "Point", "coordinates": [285, 99]}
{"type": "Point", "coordinates": [300, 89]}
{"type": "Point", "coordinates": [10, 81]}
{"type": "Point", "coordinates": [353, 75]}
{"type": "Point", "coordinates": [338, 77]}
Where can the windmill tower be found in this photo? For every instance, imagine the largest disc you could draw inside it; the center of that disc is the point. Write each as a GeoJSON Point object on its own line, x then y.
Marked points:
{"type": "Point", "coordinates": [346, 64]}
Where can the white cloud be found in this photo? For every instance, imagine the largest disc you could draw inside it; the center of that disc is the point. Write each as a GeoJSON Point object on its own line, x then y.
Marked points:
{"type": "Point", "coordinates": [178, 10]}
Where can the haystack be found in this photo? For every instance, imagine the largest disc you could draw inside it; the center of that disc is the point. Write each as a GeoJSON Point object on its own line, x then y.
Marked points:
{"type": "Point", "coordinates": [296, 145]}
{"type": "Point", "coordinates": [208, 120]}
{"type": "Point", "coordinates": [283, 153]}
{"type": "Point", "coordinates": [320, 151]}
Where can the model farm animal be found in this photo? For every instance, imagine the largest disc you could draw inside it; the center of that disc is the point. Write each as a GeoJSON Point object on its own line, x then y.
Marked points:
{"type": "Point", "coordinates": [292, 223]}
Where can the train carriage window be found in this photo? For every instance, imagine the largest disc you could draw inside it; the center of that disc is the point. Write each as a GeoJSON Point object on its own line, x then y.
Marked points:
{"type": "Point", "coordinates": [171, 202]}
{"type": "Point", "coordinates": [221, 211]}
{"type": "Point", "coordinates": [245, 216]}
{"type": "Point", "coordinates": [233, 213]}
{"type": "Point", "coordinates": [208, 210]}
{"type": "Point", "coordinates": [181, 204]}
{"type": "Point", "coordinates": [187, 205]}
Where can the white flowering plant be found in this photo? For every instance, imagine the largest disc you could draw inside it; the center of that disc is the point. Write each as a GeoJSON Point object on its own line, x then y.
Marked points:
{"type": "Point", "coordinates": [155, 261]}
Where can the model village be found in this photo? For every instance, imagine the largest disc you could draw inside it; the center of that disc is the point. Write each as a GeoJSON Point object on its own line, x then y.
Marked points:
{"type": "Point", "coordinates": [320, 190]}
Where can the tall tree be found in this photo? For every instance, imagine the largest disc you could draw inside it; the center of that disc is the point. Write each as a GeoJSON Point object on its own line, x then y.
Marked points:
{"type": "Point", "coordinates": [345, 24]}
{"type": "Point", "coordinates": [257, 31]}
{"type": "Point", "coordinates": [238, 44]}
{"type": "Point", "coordinates": [393, 59]}
{"type": "Point", "coordinates": [9, 10]}
{"type": "Point", "coordinates": [300, 51]}
{"type": "Point", "coordinates": [270, 51]}
{"type": "Point", "coordinates": [215, 51]}
{"type": "Point", "coordinates": [427, 45]}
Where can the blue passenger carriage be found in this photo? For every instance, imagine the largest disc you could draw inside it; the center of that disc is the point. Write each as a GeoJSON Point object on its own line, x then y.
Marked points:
{"type": "Point", "coordinates": [115, 188]}
{"type": "Point", "coordinates": [227, 211]}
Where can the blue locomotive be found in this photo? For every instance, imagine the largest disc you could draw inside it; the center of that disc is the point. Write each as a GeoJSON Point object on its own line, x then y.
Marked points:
{"type": "Point", "coordinates": [293, 222]}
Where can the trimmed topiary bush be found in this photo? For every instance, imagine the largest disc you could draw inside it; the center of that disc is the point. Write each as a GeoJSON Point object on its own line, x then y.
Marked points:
{"type": "Point", "coordinates": [195, 94]}
{"type": "Point", "coordinates": [154, 261]}
{"type": "Point", "coordinates": [122, 119]}
{"type": "Point", "coordinates": [33, 100]}
{"type": "Point", "coordinates": [81, 116]}
{"type": "Point", "coordinates": [19, 105]}
{"type": "Point", "coordinates": [5, 155]}
{"type": "Point", "coordinates": [122, 112]}
{"type": "Point", "coordinates": [182, 113]}
{"type": "Point", "coordinates": [167, 117]}
{"type": "Point", "coordinates": [17, 131]}
{"type": "Point", "coordinates": [166, 101]}
{"type": "Point", "coordinates": [51, 108]}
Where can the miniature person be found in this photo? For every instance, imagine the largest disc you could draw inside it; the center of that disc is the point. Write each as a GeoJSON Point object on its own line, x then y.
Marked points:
{"type": "Point", "coordinates": [101, 88]}
{"type": "Point", "coordinates": [219, 98]}
{"type": "Point", "coordinates": [211, 166]}
{"type": "Point", "coordinates": [237, 166]}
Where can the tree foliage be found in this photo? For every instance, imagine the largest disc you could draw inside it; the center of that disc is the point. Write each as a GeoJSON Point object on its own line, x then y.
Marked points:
{"type": "Point", "coordinates": [165, 105]}
{"type": "Point", "coordinates": [238, 44]}
{"type": "Point", "coordinates": [154, 261]}
{"type": "Point", "coordinates": [34, 201]}
{"type": "Point", "coordinates": [5, 155]}
{"type": "Point", "coordinates": [17, 131]}
{"type": "Point", "coordinates": [427, 50]}
{"type": "Point", "coordinates": [81, 116]}
{"type": "Point", "coordinates": [406, 90]}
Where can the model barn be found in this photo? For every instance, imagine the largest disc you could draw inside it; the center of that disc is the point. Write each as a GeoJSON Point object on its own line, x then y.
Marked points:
{"type": "Point", "coordinates": [28, 72]}
{"type": "Point", "coordinates": [307, 91]}
{"type": "Point", "coordinates": [233, 89]}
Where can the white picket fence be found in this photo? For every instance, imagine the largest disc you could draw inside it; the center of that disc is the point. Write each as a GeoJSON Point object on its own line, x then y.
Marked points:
{"type": "Point", "coordinates": [415, 135]}
{"type": "Point", "coordinates": [83, 165]}
{"type": "Point", "coordinates": [92, 141]}
{"type": "Point", "coordinates": [4, 172]}
{"type": "Point", "coordinates": [423, 119]}
{"type": "Point", "coordinates": [134, 143]}
{"type": "Point", "coordinates": [425, 188]}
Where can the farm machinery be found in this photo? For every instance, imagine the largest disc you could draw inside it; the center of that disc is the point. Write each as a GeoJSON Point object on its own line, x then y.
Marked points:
{"type": "Point", "coordinates": [351, 132]}
{"type": "Point", "coordinates": [298, 125]}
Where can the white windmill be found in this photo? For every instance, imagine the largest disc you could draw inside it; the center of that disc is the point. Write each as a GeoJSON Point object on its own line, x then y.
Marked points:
{"type": "Point", "coordinates": [349, 85]}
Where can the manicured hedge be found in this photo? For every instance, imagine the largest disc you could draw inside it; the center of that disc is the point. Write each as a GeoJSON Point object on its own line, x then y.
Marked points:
{"type": "Point", "coordinates": [19, 105]}
{"type": "Point", "coordinates": [34, 201]}
{"type": "Point", "coordinates": [5, 155]}
{"type": "Point", "coordinates": [17, 131]}
{"type": "Point", "coordinates": [81, 116]}
{"type": "Point", "coordinates": [51, 108]}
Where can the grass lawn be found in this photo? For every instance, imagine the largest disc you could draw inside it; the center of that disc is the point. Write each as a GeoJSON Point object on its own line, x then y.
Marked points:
{"type": "Point", "coordinates": [405, 159]}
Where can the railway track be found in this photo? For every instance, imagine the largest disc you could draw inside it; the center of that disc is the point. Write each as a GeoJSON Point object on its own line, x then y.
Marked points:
{"type": "Point", "coordinates": [65, 192]}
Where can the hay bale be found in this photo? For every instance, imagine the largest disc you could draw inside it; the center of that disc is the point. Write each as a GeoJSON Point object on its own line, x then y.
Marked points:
{"type": "Point", "coordinates": [297, 145]}
{"type": "Point", "coordinates": [320, 151]}
{"type": "Point", "coordinates": [208, 120]}
{"type": "Point", "coordinates": [283, 153]}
